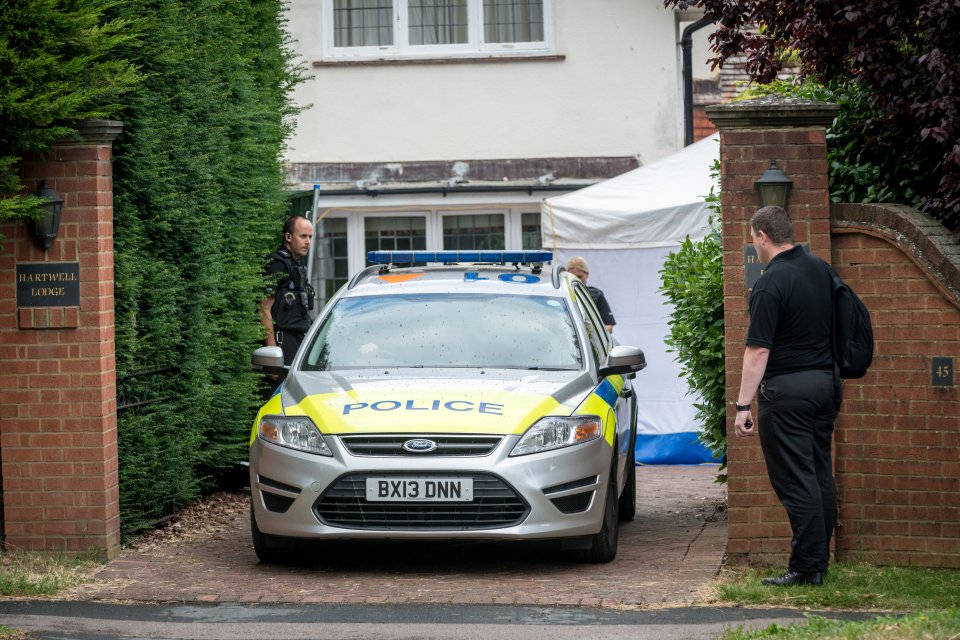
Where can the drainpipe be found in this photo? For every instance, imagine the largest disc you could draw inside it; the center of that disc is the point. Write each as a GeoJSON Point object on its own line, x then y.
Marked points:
{"type": "Point", "coordinates": [686, 44]}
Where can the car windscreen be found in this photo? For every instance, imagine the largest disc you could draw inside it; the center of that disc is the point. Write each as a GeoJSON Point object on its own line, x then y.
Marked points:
{"type": "Point", "coordinates": [446, 330]}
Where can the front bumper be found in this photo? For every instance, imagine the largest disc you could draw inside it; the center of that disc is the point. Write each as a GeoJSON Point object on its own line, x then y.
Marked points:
{"type": "Point", "coordinates": [540, 496]}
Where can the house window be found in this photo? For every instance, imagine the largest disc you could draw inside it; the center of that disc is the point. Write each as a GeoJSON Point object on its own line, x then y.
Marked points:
{"type": "Point", "coordinates": [385, 29]}
{"type": "Point", "coordinates": [362, 23]}
{"type": "Point", "coordinates": [333, 269]}
{"type": "Point", "coordinates": [438, 21]}
{"type": "Point", "coordinates": [530, 232]}
{"type": "Point", "coordinates": [395, 233]}
{"type": "Point", "coordinates": [473, 232]}
{"type": "Point", "coordinates": [512, 21]}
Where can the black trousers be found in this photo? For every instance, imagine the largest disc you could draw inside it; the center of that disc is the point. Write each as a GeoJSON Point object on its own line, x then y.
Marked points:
{"type": "Point", "coordinates": [289, 342]}
{"type": "Point", "coordinates": [796, 414]}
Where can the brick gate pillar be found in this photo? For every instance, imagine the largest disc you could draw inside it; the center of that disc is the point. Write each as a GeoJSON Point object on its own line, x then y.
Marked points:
{"type": "Point", "coordinates": [58, 421]}
{"type": "Point", "coordinates": [752, 133]}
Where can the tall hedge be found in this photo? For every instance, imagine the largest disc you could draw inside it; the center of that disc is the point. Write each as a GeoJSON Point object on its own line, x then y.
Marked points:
{"type": "Point", "coordinates": [59, 64]}
{"type": "Point", "coordinates": [692, 281]}
{"type": "Point", "coordinates": [198, 203]}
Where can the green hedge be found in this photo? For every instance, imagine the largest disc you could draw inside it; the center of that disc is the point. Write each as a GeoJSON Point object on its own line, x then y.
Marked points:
{"type": "Point", "coordinates": [199, 202]}
{"type": "Point", "coordinates": [58, 65]}
{"type": "Point", "coordinates": [692, 280]}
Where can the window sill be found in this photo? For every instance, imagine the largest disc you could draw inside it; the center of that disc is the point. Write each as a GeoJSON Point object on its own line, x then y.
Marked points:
{"type": "Point", "coordinates": [437, 60]}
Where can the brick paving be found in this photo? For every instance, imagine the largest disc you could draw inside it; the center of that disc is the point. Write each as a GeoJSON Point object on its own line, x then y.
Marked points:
{"type": "Point", "coordinates": [667, 555]}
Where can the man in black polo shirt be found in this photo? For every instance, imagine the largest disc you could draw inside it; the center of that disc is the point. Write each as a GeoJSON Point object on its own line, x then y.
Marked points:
{"type": "Point", "coordinates": [788, 364]}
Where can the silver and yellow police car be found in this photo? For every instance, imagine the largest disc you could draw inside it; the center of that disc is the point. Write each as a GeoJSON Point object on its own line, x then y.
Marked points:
{"type": "Point", "coordinates": [449, 395]}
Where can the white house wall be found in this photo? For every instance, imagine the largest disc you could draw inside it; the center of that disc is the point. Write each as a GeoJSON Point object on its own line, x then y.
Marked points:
{"type": "Point", "coordinates": [613, 93]}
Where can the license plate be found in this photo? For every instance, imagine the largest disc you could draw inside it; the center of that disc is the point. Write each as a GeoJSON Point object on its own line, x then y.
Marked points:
{"type": "Point", "coordinates": [419, 489]}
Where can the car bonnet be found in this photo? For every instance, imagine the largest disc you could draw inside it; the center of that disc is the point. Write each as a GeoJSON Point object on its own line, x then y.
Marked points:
{"type": "Point", "coordinates": [432, 401]}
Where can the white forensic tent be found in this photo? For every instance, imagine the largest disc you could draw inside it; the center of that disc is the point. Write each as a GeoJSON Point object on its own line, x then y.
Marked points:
{"type": "Point", "coordinates": [625, 227]}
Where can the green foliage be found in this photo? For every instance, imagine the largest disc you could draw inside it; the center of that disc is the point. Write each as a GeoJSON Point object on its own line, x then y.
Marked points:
{"type": "Point", "coordinates": [58, 65]}
{"type": "Point", "coordinates": [692, 280]}
{"type": "Point", "coordinates": [850, 585]}
{"type": "Point", "coordinates": [27, 573]}
{"type": "Point", "coordinates": [912, 626]}
{"type": "Point", "coordinates": [931, 593]}
{"type": "Point", "coordinates": [868, 162]}
{"type": "Point", "coordinates": [198, 204]}
{"type": "Point", "coordinates": [899, 58]}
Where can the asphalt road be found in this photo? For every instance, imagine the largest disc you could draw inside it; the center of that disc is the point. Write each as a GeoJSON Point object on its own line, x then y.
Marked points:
{"type": "Point", "coordinates": [76, 620]}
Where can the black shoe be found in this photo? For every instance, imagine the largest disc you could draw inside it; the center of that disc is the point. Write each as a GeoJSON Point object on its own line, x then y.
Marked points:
{"type": "Point", "coordinates": [791, 578]}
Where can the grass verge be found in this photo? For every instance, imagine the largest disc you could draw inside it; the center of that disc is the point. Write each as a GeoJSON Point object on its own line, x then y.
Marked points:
{"type": "Point", "coordinates": [24, 573]}
{"type": "Point", "coordinates": [8, 633]}
{"type": "Point", "coordinates": [927, 625]}
{"type": "Point", "coordinates": [930, 596]}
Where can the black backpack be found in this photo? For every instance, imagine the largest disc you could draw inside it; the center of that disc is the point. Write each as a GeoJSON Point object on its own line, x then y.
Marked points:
{"type": "Point", "coordinates": [852, 331]}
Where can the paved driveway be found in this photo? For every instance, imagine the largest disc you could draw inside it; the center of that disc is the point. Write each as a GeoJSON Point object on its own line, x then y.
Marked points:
{"type": "Point", "coordinates": [667, 555]}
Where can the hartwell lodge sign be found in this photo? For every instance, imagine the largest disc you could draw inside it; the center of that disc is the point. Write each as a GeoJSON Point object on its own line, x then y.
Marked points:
{"type": "Point", "coordinates": [48, 284]}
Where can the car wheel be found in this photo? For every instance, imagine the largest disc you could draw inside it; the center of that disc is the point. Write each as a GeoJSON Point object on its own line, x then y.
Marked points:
{"type": "Point", "coordinates": [628, 499]}
{"type": "Point", "coordinates": [269, 549]}
{"type": "Point", "coordinates": [603, 546]}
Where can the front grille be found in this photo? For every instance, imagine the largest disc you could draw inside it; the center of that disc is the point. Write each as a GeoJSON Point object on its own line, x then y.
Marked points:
{"type": "Point", "coordinates": [447, 445]}
{"type": "Point", "coordinates": [495, 504]}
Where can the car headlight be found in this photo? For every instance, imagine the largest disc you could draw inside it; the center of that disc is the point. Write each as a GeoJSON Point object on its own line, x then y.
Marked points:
{"type": "Point", "coordinates": [296, 432]}
{"type": "Point", "coordinates": [555, 432]}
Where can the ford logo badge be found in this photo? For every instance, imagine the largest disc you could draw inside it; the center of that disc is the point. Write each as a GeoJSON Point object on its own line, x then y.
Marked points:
{"type": "Point", "coordinates": [420, 445]}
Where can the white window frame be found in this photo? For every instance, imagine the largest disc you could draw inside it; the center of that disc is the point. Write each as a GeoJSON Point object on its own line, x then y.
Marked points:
{"type": "Point", "coordinates": [401, 48]}
{"type": "Point", "coordinates": [356, 227]}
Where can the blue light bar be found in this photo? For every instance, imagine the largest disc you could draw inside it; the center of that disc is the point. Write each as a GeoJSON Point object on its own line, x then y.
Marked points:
{"type": "Point", "coordinates": [496, 257]}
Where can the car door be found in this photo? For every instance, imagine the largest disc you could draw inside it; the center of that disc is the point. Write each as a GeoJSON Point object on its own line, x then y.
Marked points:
{"type": "Point", "coordinates": [601, 343]}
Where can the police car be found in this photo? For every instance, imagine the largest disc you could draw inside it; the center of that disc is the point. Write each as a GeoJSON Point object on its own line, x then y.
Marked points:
{"type": "Point", "coordinates": [449, 395]}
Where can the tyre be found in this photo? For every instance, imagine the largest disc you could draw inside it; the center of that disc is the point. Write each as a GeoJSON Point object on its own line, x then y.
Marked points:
{"type": "Point", "coordinates": [603, 545]}
{"type": "Point", "coordinates": [269, 549]}
{"type": "Point", "coordinates": [627, 506]}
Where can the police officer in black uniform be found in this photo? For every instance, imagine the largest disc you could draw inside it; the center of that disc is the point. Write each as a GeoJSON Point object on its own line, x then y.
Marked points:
{"type": "Point", "coordinates": [285, 311]}
{"type": "Point", "coordinates": [788, 366]}
{"type": "Point", "coordinates": [578, 267]}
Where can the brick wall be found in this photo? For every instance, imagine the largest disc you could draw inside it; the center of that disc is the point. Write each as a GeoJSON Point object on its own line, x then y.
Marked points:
{"type": "Point", "coordinates": [898, 436]}
{"type": "Point", "coordinates": [702, 127]}
{"type": "Point", "coordinates": [706, 92]}
{"type": "Point", "coordinates": [58, 443]}
{"type": "Point", "coordinates": [752, 133]}
{"type": "Point", "coordinates": [897, 467]}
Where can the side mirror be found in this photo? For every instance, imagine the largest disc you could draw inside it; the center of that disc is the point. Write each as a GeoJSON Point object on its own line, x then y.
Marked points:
{"type": "Point", "coordinates": [623, 360]}
{"type": "Point", "coordinates": [269, 359]}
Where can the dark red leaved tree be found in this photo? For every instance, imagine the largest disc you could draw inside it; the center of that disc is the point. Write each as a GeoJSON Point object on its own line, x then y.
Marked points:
{"type": "Point", "coordinates": [905, 55]}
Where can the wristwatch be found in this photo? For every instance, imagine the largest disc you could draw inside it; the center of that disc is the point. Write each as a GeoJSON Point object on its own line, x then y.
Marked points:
{"type": "Point", "coordinates": [741, 407]}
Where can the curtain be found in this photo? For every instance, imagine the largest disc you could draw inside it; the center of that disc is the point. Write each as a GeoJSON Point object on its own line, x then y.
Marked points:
{"type": "Point", "coordinates": [512, 20]}
{"type": "Point", "coordinates": [438, 21]}
{"type": "Point", "coordinates": [363, 23]}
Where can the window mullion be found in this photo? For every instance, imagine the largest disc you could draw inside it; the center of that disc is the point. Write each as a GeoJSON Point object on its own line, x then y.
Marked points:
{"type": "Point", "coordinates": [475, 30]}
{"type": "Point", "coordinates": [401, 24]}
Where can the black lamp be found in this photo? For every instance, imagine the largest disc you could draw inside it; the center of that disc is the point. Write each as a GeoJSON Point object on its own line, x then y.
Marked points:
{"type": "Point", "coordinates": [47, 226]}
{"type": "Point", "coordinates": [774, 187]}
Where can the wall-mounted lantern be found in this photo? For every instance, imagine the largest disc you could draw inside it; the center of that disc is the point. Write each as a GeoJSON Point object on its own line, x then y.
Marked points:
{"type": "Point", "coordinates": [47, 226]}
{"type": "Point", "coordinates": [774, 187]}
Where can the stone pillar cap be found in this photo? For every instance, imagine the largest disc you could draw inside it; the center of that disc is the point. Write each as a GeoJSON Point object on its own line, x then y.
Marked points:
{"type": "Point", "coordinates": [99, 130]}
{"type": "Point", "coordinates": [772, 112]}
